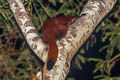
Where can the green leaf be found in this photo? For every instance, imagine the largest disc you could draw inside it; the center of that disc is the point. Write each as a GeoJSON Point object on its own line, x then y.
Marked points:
{"type": "Point", "coordinates": [103, 48]}
{"type": "Point", "coordinates": [81, 58]}
{"type": "Point", "coordinates": [71, 78]}
{"type": "Point", "coordinates": [82, 51]}
{"type": "Point", "coordinates": [53, 2]}
{"type": "Point", "coordinates": [100, 76]}
{"type": "Point", "coordinates": [65, 11]}
{"type": "Point", "coordinates": [99, 66]}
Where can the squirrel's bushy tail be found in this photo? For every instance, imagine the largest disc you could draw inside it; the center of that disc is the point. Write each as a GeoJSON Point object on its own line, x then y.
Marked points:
{"type": "Point", "coordinates": [52, 54]}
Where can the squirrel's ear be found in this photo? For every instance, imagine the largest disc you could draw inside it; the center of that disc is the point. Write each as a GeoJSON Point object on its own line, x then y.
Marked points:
{"type": "Point", "coordinates": [74, 19]}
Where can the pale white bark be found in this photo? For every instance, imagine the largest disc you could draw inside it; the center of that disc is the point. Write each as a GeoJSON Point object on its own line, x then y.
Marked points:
{"type": "Point", "coordinates": [28, 29]}
{"type": "Point", "coordinates": [77, 34]}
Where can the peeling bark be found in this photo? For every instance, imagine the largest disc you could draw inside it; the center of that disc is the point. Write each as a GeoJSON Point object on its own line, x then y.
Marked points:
{"type": "Point", "coordinates": [77, 34]}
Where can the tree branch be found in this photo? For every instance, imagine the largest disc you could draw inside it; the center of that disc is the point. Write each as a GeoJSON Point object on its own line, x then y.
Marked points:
{"type": "Point", "coordinates": [77, 34]}
{"type": "Point", "coordinates": [27, 28]}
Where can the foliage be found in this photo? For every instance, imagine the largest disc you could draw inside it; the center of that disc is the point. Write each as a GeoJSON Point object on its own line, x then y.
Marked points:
{"type": "Point", "coordinates": [16, 59]}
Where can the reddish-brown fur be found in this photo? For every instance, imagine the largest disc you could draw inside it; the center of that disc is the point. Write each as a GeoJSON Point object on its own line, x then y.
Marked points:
{"type": "Point", "coordinates": [55, 28]}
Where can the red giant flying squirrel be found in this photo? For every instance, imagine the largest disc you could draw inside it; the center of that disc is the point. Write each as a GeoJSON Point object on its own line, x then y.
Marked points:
{"type": "Point", "coordinates": [53, 29]}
